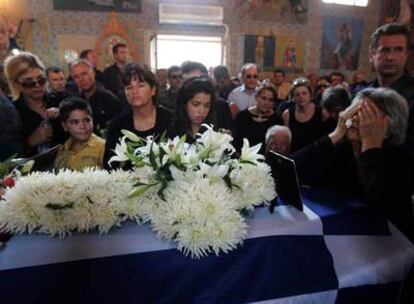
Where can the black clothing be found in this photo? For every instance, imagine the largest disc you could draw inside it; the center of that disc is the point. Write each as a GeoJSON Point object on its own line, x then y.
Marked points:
{"type": "Point", "coordinates": [383, 177]}
{"type": "Point", "coordinates": [321, 164]}
{"type": "Point", "coordinates": [125, 121]}
{"type": "Point", "coordinates": [223, 115]}
{"type": "Point", "coordinates": [105, 106]}
{"type": "Point", "coordinates": [167, 100]}
{"type": "Point", "coordinates": [31, 120]}
{"type": "Point", "coordinates": [11, 140]}
{"type": "Point", "coordinates": [99, 76]}
{"type": "Point", "coordinates": [55, 98]}
{"type": "Point", "coordinates": [224, 91]}
{"type": "Point", "coordinates": [304, 133]}
{"type": "Point", "coordinates": [113, 79]}
{"type": "Point", "coordinates": [255, 132]}
{"type": "Point", "coordinates": [405, 87]}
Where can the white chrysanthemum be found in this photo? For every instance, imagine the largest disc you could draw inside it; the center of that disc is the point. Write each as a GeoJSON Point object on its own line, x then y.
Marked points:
{"type": "Point", "coordinates": [255, 185]}
{"type": "Point", "coordinates": [201, 216]}
{"type": "Point", "coordinates": [68, 201]}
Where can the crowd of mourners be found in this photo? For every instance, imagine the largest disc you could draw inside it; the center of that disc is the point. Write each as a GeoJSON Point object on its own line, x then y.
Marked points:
{"type": "Point", "coordinates": [354, 137]}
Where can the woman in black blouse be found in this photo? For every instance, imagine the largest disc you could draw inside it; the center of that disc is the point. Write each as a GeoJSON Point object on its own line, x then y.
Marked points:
{"type": "Point", "coordinates": [143, 117]}
{"type": "Point", "coordinates": [41, 126]}
{"type": "Point", "coordinates": [253, 122]}
{"type": "Point", "coordinates": [304, 118]}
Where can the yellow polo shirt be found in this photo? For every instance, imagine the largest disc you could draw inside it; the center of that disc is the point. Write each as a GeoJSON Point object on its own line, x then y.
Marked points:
{"type": "Point", "coordinates": [90, 155]}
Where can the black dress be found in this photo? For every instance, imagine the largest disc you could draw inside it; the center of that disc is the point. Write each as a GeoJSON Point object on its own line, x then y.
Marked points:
{"type": "Point", "coordinates": [382, 177]}
{"type": "Point", "coordinates": [125, 121]}
{"type": "Point", "coordinates": [31, 120]}
{"type": "Point", "coordinates": [304, 133]}
{"type": "Point", "coordinates": [255, 132]}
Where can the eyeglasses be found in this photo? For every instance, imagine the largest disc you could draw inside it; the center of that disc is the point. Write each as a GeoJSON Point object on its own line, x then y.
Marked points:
{"type": "Point", "coordinates": [75, 122]}
{"type": "Point", "coordinates": [30, 84]}
{"type": "Point", "coordinates": [176, 76]}
{"type": "Point", "coordinates": [251, 76]}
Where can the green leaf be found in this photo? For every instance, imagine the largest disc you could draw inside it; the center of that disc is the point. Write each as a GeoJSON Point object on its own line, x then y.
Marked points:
{"type": "Point", "coordinates": [227, 180]}
{"type": "Point", "coordinates": [247, 162]}
{"type": "Point", "coordinates": [152, 156]}
{"type": "Point", "coordinates": [163, 137]}
{"type": "Point", "coordinates": [160, 192]}
{"type": "Point", "coordinates": [131, 136]}
{"type": "Point", "coordinates": [59, 207]}
{"type": "Point", "coordinates": [137, 191]}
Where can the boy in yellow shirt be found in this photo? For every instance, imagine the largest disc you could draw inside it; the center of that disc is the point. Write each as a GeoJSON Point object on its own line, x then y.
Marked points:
{"type": "Point", "coordinates": [83, 148]}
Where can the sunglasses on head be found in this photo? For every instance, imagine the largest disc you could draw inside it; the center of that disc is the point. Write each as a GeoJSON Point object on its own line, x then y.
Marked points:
{"type": "Point", "coordinates": [252, 76]}
{"type": "Point", "coordinates": [30, 84]}
{"type": "Point", "coordinates": [300, 81]}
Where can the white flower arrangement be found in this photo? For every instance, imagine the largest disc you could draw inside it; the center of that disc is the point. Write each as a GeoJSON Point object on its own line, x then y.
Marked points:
{"type": "Point", "coordinates": [69, 201]}
{"type": "Point", "coordinates": [193, 194]}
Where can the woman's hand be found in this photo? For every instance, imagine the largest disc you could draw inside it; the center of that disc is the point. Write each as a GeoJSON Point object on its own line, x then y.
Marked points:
{"type": "Point", "coordinates": [43, 133]}
{"type": "Point", "coordinates": [340, 130]}
{"type": "Point", "coordinates": [52, 113]}
{"type": "Point", "coordinates": [372, 126]}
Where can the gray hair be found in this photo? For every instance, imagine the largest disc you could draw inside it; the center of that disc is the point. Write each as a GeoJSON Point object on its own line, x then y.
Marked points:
{"type": "Point", "coordinates": [276, 129]}
{"type": "Point", "coordinates": [248, 66]}
{"type": "Point", "coordinates": [392, 104]}
{"type": "Point", "coordinates": [80, 62]}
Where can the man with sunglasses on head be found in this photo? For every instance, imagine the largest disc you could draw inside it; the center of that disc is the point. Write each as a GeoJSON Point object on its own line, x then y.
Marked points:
{"type": "Point", "coordinates": [167, 98]}
{"type": "Point", "coordinates": [243, 97]}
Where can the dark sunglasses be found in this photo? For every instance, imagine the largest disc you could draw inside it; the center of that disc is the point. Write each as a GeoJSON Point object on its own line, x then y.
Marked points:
{"type": "Point", "coordinates": [30, 84]}
{"type": "Point", "coordinates": [252, 76]}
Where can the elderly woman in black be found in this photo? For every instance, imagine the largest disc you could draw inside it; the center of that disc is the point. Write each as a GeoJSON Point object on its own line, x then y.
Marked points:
{"type": "Point", "coordinates": [364, 156]}
{"type": "Point", "coordinates": [143, 117]}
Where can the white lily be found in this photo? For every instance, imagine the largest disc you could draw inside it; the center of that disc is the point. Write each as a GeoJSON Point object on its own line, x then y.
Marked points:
{"type": "Point", "coordinates": [250, 154]}
{"type": "Point", "coordinates": [121, 149]}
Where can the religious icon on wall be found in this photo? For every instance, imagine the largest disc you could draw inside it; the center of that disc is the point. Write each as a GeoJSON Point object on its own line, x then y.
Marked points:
{"type": "Point", "coordinates": [341, 42]}
{"type": "Point", "coordinates": [131, 6]}
{"type": "Point", "coordinates": [260, 49]}
{"type": "Point", "coordinates": [290, 54]}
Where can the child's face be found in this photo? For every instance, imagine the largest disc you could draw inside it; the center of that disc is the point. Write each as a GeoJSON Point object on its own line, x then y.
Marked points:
{"type": "Point", "coordinates": [79, 125]}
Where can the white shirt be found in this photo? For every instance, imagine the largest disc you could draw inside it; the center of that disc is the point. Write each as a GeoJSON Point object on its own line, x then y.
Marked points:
{"type": "Point", "coordinates": [242, 98]}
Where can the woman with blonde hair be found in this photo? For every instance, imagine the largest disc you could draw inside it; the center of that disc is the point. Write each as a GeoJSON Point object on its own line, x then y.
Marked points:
{"type": "Point", "coordinates": [27, 81]}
